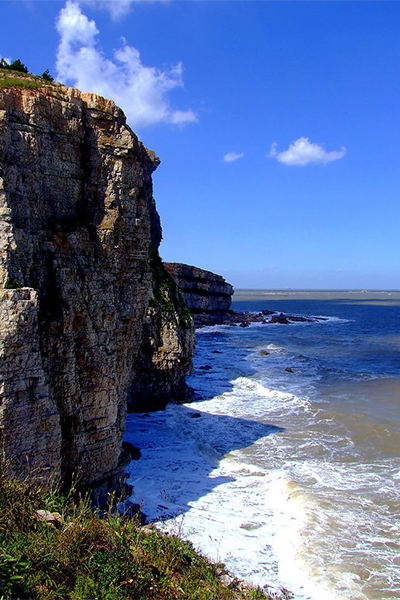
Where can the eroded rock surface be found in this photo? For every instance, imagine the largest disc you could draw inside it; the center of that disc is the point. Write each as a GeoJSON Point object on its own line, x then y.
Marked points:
{"type": "Point", "coordinates": [168, 334]}
{"type": "Point", "coordinates": [207, 295]}
{"type": "Point", "coordinates": [77, 312]}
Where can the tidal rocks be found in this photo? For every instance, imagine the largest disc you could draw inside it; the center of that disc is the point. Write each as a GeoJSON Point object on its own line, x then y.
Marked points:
{"type": "Point", "coordinates": [279, 319]}
{"type": "Point", "coordinates": [266, 317]}
{"type": "Point", "coordinates": [80, 313]}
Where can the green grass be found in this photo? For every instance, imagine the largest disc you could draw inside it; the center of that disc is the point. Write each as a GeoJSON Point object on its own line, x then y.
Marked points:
{"type": "Point", "coordinates": [10, 78]}
{"type": "Point", "coordinates": [85, 557]}
{"type": "Point", "coordinates": [9, 81]}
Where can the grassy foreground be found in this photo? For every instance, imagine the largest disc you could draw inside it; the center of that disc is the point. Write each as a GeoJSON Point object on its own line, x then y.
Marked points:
{"type": "Point", "coordinates": [76, 554]}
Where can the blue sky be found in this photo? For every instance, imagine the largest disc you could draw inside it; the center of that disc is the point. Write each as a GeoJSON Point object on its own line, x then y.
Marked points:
{"type": "Point", "coordinates": [277, 125]}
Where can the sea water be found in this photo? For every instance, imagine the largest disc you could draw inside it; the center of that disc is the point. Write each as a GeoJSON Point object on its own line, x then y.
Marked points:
{"type": "Point", "coordinates": [289, 477]}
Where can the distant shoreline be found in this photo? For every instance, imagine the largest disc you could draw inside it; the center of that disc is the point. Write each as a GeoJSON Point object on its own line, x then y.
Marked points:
{"type": "Point", "coordinates": [391, 297]}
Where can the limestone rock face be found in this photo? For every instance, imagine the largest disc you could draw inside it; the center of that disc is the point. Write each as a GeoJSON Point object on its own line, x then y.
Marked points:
{"type": "Point", "coordinates": [77, 221]}
{"type": "Point", "coordinates": [167, 339]}
{"type": "Point", "coordinates": [207, 295]}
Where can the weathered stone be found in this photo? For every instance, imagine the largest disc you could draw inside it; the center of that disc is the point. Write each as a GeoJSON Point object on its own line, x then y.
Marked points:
{"type": "Point", "coordinates": [207, 295]}
{"type": "Point", "coordinates": [167, 346]}
{"type": "Point", "coordinates": [202, 290]}
{"type": "Point", "coordinates": [77, 221]}
{"type": "Point", "coordinates": [280, 319]}
{"type": "Point", "coordinates": [133, 452]}
{"type": "Point", "coordinates": [51, 518]}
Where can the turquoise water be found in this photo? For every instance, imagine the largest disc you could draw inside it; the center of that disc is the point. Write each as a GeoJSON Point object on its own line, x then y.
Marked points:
{"type": "Point", "coordinates": [290, 477]}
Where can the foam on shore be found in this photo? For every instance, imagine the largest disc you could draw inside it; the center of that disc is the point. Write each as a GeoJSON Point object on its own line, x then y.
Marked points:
{"type": "Point", "coordinates": [287, 475]}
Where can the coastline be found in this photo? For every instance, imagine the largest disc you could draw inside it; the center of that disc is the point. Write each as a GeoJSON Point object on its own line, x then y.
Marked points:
{"type": "Point", "coordinates": [266, 501]}
{"type": "Point", "coordinates": [363, 296]}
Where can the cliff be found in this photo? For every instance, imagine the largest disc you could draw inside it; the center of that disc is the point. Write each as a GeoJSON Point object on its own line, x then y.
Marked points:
{"type": "Point", "coordinates": [207, 295]}
{"type": "Point", "coordinates": [84, 325]}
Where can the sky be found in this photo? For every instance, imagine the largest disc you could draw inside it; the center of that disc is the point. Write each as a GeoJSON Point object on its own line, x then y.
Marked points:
{"type": "Point", "coordinates": [277, 125]}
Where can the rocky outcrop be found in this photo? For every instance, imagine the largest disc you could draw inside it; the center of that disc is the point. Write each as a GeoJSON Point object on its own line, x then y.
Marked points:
{"type": "Point", "coordinates": [80, 312]}
{"type": "Point", "coordinates": [207, 295]}
{"type": "Point", "coordinates": [163, 357]}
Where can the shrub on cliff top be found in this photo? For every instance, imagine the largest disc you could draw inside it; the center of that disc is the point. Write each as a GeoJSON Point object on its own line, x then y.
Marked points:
{"type": "Point", "coordinates": [46, 75]}
{"type": "Point", "coordinates": [16, 65]}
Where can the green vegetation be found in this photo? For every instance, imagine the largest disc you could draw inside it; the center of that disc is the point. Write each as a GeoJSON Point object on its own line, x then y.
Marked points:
{"type": "Point", "coordinates": [16, 74]}
{"type": "Point", "coordinates": [79, 556]}
{"type": "Point", "coordinates": [8, 81]}
{"type": "Point", "coordinates": [46, 75]}
{"type": "Point", "coordinates": [166, 292]}
{"type": "Point", "coordinates": [16, 65]}
{"type": "Point", "coordinates": [13, 284]}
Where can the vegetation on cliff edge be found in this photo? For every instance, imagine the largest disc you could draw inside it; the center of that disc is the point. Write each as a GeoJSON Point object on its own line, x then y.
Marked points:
{"type": "Point", "coordinates": [77, 554]}
{"type": "Point", "coordinates": [16, 74]}
{"type": "Point", "coordinates": [166, 292]}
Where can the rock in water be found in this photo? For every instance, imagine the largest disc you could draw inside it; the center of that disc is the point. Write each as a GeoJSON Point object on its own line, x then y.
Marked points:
{"type": "Point", "coordinates": [80, 312]}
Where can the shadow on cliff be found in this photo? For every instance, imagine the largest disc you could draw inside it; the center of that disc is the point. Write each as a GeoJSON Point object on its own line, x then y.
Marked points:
{"type": "Point", "coordinates": [180, 447]}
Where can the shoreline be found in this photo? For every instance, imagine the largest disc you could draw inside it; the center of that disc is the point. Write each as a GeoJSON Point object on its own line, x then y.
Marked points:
{"type": "Point", "coordinates": [363, 296]}
{"type": "Point", "coordinates": [257, 499]}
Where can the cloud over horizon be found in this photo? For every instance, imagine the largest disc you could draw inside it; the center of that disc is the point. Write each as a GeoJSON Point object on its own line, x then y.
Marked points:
{"type": "Point", "coordinates": [302, 152]}
{"type": "Point", "coordinates": [232, 156]}
{"type": "Point", "coordinates": [139, 90]}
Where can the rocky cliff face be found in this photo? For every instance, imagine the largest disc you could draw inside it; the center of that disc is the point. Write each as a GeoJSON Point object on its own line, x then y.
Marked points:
{"type": "Point", "coordinates": [79, 315]}
{"type": "Point", "coordinates": [207, 295]}
{"type": "Point", "coordinates": [168, 334]}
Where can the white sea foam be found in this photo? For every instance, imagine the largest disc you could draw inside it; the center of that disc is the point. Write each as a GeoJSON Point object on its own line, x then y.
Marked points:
{"type": "Point", "coordinates": [249, 517]}
{"type": "Point", "coordinates": [260, 475]}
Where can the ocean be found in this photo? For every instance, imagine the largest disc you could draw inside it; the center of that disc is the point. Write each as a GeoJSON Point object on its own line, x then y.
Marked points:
{"type": "Point", "coordinates": [286, 467]}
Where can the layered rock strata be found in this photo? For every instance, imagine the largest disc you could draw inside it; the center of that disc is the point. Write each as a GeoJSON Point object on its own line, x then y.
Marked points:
{"type": "Point", "coordinates": [168, 334]}
{"type": "Point", "coordinates": [80, 312]}
{"type": "Point", "coordinates": [207, 295]}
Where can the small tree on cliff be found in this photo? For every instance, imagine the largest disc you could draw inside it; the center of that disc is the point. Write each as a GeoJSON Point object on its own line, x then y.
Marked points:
{"type": "Point", "coordinates": [46, 75]}
{"type": "Point", "coordinates": [17, 65]}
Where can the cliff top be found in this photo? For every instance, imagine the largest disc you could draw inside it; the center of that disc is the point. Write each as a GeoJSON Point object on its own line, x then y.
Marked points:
{"type": "Point", "coordinates": [15, 81]}
{"type": "Point", "coordinates": [12, 79]}
{"type": "Point", "coordinates": [19, 91]}
{"type": "Point", "coordinates": [192, 272]}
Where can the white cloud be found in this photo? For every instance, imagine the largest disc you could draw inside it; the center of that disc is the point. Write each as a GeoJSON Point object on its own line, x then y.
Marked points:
{"type": "Point", "coordinates": [181, 117]}
{"type": "Point", "coordinates": [140, 91]}
{"type": "Point", "coordinates": [116, 8]}
{"type": "Point", "coordinates": [302, 152]}
{"type": "Point", "coordinates": [75, 28]}
{"type": "Point", "coordinates": [232, 156]}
